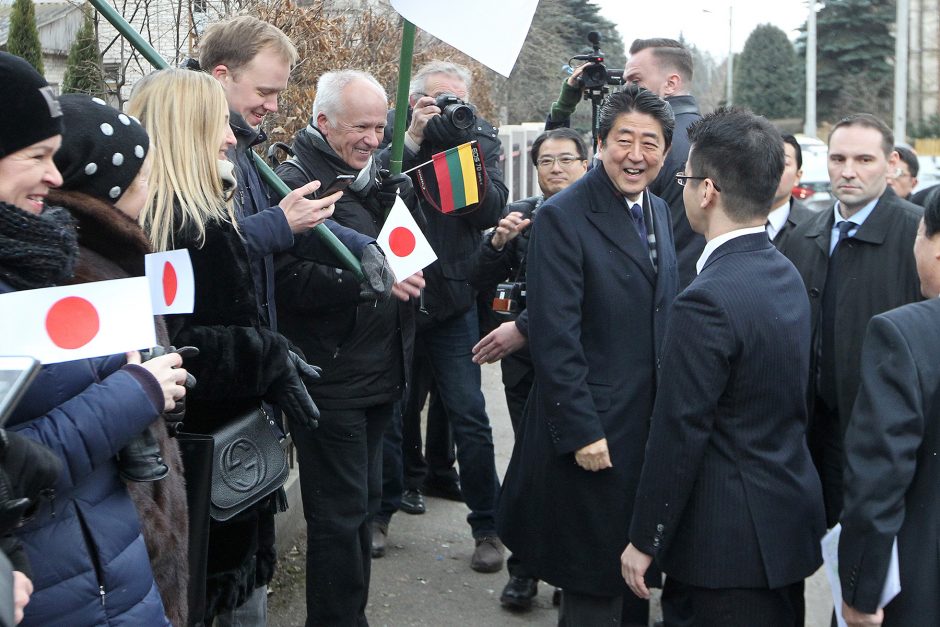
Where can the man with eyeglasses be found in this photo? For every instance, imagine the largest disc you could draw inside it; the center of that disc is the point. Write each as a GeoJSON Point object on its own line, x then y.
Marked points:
{"type": "Point", "coordinates": [600, 279]}
{"type": "Point", "coordinates": [728, 503]}
{"type": "Point", "coordinates": [560, 158]}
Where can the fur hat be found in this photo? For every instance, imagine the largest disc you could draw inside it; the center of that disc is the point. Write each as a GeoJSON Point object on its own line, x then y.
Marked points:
{"type": "Point", "coordinates": [102, 149]}
{"type": "Point", "coordinates": [31, 111]}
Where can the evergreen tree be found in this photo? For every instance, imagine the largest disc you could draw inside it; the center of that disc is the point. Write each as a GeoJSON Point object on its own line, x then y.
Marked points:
{"type": "Point", "coordinates": [854, 58]}
{"type": "Point", "coordinates": [767, 74]}
{"type": "Point", "coordinates": [83, 73]}
{"type": "Point", "coordinates": [23, 39]}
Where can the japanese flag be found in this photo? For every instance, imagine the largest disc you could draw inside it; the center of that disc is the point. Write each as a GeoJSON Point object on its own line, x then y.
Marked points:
{"type": "Point", "coordinates": [172, 288]}
{"type": "Point", "coordinates": [405, 246]}
{"type": "Point", "coordinates": [77, 321]}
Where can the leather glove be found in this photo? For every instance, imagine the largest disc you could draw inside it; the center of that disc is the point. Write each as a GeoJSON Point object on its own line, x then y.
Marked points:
{"type": "Point", "coordinates": [442, 134]}
{"type": "Point", "coordinates": [31, 467]}
{"type": "Point", "coordinates": [28, 472]}
{"type": "Point", "coordinates": [396, 185]}
{"type": "Point", "coordinates": [290, 394]}
{"type": "Point", "coordinates": [186, 352]}
{"type": "Point", "coordinates": [379, 277]}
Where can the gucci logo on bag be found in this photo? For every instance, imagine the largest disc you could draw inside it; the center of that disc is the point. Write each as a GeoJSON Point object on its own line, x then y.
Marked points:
{"type": "Point", "coordinates": [242, 465]}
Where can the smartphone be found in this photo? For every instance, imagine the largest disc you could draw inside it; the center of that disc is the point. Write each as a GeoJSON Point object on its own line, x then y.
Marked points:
{"type": "Point", "coordinates": [341, 182]}
{"type": "Point", "coordinates": [16, 373]}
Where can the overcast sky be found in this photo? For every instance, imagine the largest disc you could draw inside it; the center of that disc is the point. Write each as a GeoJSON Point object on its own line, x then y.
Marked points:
{"type": "Point", "coordinates": [702, 22]}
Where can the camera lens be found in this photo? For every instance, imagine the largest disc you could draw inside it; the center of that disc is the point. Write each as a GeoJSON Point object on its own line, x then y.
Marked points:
{"type": "Point", "coordinates": [460, 115]}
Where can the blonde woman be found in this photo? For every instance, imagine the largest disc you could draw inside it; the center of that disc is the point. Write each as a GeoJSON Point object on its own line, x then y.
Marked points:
{"type": "Point", "coordinates": [241, 362]}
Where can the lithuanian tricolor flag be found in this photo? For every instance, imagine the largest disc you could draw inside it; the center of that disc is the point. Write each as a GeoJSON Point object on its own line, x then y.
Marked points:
{"type": "Point", "coordinates": [459, 176]}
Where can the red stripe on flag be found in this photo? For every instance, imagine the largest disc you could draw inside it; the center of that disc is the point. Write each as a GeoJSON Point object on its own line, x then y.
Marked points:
{"type": "Point", "coordinates": [442, 173]}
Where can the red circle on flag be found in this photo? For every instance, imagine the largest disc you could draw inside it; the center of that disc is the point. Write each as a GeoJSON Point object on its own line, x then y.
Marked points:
{"type": "Point", "coordinates": [72, 322]}
{"type": "Point", "coordinates": [170, 283]}
{"type": "Point", "coordinates": [402, 241]}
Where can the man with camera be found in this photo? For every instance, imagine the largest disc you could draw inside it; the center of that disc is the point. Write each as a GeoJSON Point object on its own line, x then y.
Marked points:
{"type": "Point", "coordinates": [560, 158]}
{"type": "Point", "coordinates": [663, 66]}
{"type": "Point", "coordinates": [447, 320]}
{"type": "Point", "coordinates": [601, 277]}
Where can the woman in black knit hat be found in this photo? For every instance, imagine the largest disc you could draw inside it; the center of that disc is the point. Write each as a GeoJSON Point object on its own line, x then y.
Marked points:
{"type": "Point", "coordinates": [89, 562]}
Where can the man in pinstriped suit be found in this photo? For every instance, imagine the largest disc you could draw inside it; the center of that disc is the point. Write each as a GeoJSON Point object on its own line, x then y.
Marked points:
{"type": "Point", "coordinates": [729, 503]}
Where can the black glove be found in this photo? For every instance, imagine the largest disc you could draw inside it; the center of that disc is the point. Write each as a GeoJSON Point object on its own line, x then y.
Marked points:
{"type": "Point", "coordinates": [395, 185]}
{"type": "Point", "coordinates": [179, 409]}
{"type": "Point", "coordinates": [379, 277]}
{"type": "Point", "coordinates": [442, 134]}
{"type": "Point", "coordinates": [290, 394]}
{"type": "Point", "coordinates": [29, 472]}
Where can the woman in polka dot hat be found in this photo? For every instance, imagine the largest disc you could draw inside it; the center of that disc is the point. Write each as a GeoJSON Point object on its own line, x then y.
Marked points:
{"type": "Point", "coordinates": [89, 562]}
{"type": "Point", "coordinates": [105, 160]}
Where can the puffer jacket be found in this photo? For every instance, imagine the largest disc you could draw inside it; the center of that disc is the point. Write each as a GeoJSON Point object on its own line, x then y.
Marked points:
{"type": "Point", "coordinates": [90, 564]}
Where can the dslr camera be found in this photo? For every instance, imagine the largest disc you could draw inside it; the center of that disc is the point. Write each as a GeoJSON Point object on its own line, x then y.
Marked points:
{"type": "Point", "coordinates": [457, 112]}
{"type": "Point", "coordinates": [509, 299]}
{"type": "Point", "coordinates": [597, 77]}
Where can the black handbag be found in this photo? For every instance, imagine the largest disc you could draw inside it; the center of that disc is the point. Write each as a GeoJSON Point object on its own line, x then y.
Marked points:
{"type": "Point", "coordinates": [248, 463]}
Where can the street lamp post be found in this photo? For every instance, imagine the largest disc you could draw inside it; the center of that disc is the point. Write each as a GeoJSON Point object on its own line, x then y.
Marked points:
{"type": "Point", "coordinates": [809, 124]}
{"type": "Point", "coordinates": [729, 91]}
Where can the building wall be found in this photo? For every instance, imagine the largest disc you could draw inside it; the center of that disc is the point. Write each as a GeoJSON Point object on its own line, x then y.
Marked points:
{"type": "Point", "coordinates": [924, 60]}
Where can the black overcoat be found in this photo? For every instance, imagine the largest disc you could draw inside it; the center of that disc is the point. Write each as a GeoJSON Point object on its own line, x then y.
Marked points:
{"type": "Point", "coordinates": [597, 314]}
{"type": "Point", "coordinates": [892, 468]}
{"type": "Point", "coordinates": [881, 275]}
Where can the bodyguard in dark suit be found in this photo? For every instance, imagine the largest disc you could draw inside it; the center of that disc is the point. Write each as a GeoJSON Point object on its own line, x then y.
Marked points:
{"type": "Point", "coordinates": [601, 279]}
{"type": "Point", "coordinates": [891, 470]}
{"type": "Point", "coordinates": [787, 212]}
{"type": "Point", "coordinates": [729, 503]}
{"type": "Point", "coordinates": [856, 262]}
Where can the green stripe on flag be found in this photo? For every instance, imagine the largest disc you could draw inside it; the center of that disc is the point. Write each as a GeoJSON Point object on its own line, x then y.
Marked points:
{"type": "Point", "coordinates": [456, 178]}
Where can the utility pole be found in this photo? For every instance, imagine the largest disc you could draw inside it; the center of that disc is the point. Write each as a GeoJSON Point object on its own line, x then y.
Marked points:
{"type": "Point", "coordinates": [901, 48]}
{"type": "Point", "coordinates": [809, 123]}
{"type": "Point", "coordinates": [729, 91]}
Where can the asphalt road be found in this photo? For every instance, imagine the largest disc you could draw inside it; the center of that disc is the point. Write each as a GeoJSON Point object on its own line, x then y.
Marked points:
{"type": "Point", "coordinates": [425, 578]}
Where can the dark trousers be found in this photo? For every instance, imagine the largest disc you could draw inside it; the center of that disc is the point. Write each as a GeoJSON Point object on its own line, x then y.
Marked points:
{"type": "Point", "coordinates": [341, 486]}
{"type": "Point", "coordinates": [692, 606]}
{"type": "Point", "coordinates": [459, 385]}
{"type": "Point", "coordinates": [824, 438]}
{"type": "Point", "coordinates": [587, 610]}
{"type": "Point", "coordinates": [518, 376]}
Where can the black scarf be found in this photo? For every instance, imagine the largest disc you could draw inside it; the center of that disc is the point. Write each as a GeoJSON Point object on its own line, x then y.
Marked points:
{"type": "Point", "coordinates": [36, 251]}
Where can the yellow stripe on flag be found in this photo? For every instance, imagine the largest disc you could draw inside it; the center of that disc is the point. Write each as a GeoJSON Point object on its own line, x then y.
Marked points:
{"type": "Point", "coordinates": [468, 169]}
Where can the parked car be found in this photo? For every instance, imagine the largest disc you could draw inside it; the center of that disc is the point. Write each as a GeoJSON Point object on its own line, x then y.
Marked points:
{"type": "Point", "coordinates": [813, 189]}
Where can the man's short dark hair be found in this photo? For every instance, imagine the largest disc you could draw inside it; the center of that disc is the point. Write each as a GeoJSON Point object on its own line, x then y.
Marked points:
{"type": "Point", "coordinates": [932, 212]}
{"type": "Point", "coordinates": [558, 133]}
{"type": "Point", "coordinates": [797, 151]}
{"type": "Point", "coordinates": [634, 98]}
{"type": "Point", "coordinates": [867, 120]}
{"type": "Point", "coordinates": [909, 157]}
{"type": "Point", "coordinates": [743, 154]}
{"type": "Point", "coordinates": [669, 53]}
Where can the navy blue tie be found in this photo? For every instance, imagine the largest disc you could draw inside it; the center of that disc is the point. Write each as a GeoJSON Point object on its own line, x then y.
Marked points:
{"type": "Point", "coordinates": [636, 212]}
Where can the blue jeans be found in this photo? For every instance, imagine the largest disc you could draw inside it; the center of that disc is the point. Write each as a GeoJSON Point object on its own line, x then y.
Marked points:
{"type": "Point", "coordinates": [458, 382]}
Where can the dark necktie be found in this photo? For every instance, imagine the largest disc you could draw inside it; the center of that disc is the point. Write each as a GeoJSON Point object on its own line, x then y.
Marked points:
{"type": "Point", "coordinates": [826, 358]}
{"type": "Point", "coordinates": [636, 212]}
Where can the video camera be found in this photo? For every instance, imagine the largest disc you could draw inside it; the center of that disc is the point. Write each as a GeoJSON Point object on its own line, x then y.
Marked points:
{"type": "Point", "coordinates": [597, 77]}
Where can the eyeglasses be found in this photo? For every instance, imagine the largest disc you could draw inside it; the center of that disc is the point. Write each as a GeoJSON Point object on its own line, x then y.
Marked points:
{"type": "Point", "coordinates": [563, 160]}
{"type": "Point", "coordinates": [682, 177]}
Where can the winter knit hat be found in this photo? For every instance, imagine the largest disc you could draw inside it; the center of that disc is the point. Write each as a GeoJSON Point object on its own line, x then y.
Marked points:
{"type": "Point", "coordinates": [31, 111]}
{"type": "Point", "coordinates": [102, 149]}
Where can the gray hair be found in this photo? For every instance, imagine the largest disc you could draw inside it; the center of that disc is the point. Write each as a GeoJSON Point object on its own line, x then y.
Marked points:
{"type": "Point", "coordinates": [328, 100]}
{"type": "Point", "coordinates": [419, 81]}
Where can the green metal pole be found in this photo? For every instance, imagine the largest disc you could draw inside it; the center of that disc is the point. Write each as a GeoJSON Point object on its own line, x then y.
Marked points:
{"type": "Point", "coordinates": [401, 98]}
{"type": "Point", "coordinates": [143, 47]}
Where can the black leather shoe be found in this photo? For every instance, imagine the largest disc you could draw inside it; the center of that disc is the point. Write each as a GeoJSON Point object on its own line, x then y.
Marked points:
{"type": "Point", "coordinates": [412, 502]}
{"type": "Point", "coordinates": [379, 538]}
{"type": "Point", "coordinates": [449, 491]}
{"type": "Point", "coordinates": [518, 594]}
